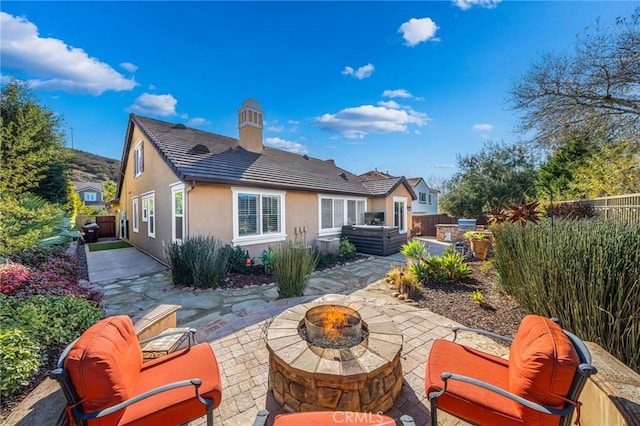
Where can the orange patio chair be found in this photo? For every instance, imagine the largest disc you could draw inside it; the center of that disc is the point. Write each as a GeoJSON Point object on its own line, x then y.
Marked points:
{"type": "Point", "coordinates": [538, 385]}
{"type": "Point", "coordinates": [333, 418]}
{"type": "Point", "coordinates": [106, 384]}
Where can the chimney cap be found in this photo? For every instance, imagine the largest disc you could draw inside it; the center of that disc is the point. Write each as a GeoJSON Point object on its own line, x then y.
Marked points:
{"type": "Point", "coordinates": [251, 103]}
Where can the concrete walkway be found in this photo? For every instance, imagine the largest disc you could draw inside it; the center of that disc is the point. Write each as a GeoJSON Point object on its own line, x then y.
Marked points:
{"type": "Point", "coordinates": [235, 321]}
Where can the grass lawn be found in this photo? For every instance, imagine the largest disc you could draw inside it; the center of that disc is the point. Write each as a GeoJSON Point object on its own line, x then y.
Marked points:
{"type": "Point", "coordinates": [108, 246]}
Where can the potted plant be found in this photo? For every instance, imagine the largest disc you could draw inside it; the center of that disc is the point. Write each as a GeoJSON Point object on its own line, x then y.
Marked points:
{"type": "Point", "coordinates": [479, 244]}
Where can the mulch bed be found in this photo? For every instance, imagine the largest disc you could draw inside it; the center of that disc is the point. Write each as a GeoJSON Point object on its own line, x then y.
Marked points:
{"type": "Point", "coordinates": [498, 312]}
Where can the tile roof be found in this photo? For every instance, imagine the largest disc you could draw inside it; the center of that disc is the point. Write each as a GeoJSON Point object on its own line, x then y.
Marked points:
{"type": "Point", "coordinates": [226, 162]}
{"type": "Point", "coordinates": [382, 186]}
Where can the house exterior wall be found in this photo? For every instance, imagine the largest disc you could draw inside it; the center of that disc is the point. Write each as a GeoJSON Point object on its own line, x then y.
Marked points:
{"type": "Point", "coordinates": [210, 212]}
{"type": "Point", "coordinates": [425, 207]}
{"type": "Point", "coordinates": [156, 177]}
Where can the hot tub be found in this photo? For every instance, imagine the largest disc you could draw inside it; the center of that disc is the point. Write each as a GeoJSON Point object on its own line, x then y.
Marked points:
{"type": "Point", "coordinates": [375, 239]}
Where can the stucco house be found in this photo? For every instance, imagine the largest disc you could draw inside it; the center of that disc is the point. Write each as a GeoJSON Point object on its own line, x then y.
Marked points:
{"type": "Point", "coordinates": [179, 182]}
{"type": "Point", "coordinates": [91, 193]}
{"type": "Point", "coordinates": [427, 201]}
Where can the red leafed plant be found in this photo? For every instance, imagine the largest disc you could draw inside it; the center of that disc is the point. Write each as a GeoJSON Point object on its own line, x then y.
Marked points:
{"type": "Point", "coordinates": [524, 212]}
{"type": "Point", "coordinates": [497, 216]}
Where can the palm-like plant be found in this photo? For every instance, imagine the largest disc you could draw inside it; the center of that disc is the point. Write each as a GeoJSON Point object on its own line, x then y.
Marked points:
{"type": "Point", "coordinates": [524, 212]}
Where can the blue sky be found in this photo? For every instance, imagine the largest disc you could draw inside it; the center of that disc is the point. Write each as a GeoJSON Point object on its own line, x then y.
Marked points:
{"type": "Point", "coordinates": [398, 86]}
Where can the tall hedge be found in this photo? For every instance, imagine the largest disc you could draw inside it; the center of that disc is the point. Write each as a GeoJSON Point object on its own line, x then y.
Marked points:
{"type": "Point", "coordinates": [585, 272]}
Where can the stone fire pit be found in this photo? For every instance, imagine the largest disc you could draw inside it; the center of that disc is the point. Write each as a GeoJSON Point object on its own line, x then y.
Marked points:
{"type": "Point", "coordinates": [305, 377]}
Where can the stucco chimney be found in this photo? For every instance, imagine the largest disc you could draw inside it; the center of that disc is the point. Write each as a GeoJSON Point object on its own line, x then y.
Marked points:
{"type": "Point", "coordinates": [250, 126]}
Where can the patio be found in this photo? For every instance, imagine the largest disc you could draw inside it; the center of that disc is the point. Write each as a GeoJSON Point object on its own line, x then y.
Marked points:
{"type": "Point", "coordinates": [234, 322]}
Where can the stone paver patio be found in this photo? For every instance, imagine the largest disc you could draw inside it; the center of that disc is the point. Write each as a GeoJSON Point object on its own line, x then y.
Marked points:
{"type": "Point", "coordinates": [235, 322]}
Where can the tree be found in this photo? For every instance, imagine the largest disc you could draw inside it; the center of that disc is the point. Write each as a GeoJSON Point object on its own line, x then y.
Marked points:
{"type": "Point", "coordinates": [109, 191]}
{"type": "Point", "coordinates": [32, 150]}
{"type": "Point", "coordinates": [494, 177]}
{"type": "Point", "coordinates": [614, 169]}
{"type": "Point", "coordinates": [596, 87]}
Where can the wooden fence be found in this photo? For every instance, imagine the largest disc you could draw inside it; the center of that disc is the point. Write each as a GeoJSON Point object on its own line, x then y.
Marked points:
{"type": "Point", "coordinates": [426, 224]}
{"type": "Point", "coordinates": [618, 208]}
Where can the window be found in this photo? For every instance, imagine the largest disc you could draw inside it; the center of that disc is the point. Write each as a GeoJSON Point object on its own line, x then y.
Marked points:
{"type": "Point", "coordinates": [145, 209]}
{"type": "Point", "coordinates": [151, 213]}
{"type": "Point", "coordinates": [138, 159]}
{"type": "Point", "coordinates": [90, 196]}
{"type": "Point", "coordinates": [177, 212]}
{"type": "Point", "coordinates": [136, 218]}
{"type": "Point", "coordinates": [422, 197]}
{"type": "Point", "coordinates": [336, 212]}
{"type": "Point", "coordinates": [258, 216]}
{"type": "Point", "coordinates": [400, 214]}
{"type": "Point", "coordinates": [429, 198]}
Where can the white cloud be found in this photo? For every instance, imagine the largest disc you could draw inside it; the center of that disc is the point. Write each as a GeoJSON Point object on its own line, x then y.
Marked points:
{"type": "Point", "coordinates": [417, 132]}
{"type": "Point", "coordinates": [294, 122]}
{"type": "Point", "coordinates": [482, 127]}
{"type": "Point", "coordinates": [357, 122]}
{"type": "Point", "coordinates": [197, 121]}
{"type": "Point", "coordinates": [159, 105]}
{"type": "Point", "coordinates": [415, 30]}
{"type": "Point", "coordinates": [389, 104]}
{"type": "Point", "coordinates": [129, 66]}
{"type": "Point", "coordinates": [444, 166]}
{"type": "Point", "coordinates": [152, 87]}
{"type": "Point", "coordinates": [286, 145]}
{"type": "Point", "coordinates": [398, 93]}
{"type": "Point", "coordinates": [468, 4]}
{"type": "Point", "coordinates": [53, 65]}
{"type": "Point", "coordinates": [362, 72]}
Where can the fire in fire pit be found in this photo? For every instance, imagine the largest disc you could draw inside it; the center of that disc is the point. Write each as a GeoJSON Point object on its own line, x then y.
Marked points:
{"type": "Point", "coordinates": [333, 326]}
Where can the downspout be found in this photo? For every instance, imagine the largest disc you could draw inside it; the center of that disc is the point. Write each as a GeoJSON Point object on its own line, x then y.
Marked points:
{"type": "Point", "coordinates": [186, 207]}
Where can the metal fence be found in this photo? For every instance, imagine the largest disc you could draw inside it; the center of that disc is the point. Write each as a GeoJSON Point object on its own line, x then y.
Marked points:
{"type": "Point", "coordinates": [618, 208]}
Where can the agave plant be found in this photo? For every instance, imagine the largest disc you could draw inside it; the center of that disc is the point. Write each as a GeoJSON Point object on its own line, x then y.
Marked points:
{"type": "Point", "coordinates": [524, 212]}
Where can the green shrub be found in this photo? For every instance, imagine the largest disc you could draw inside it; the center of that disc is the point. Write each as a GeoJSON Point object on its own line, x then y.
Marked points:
{"type": "Point", "coordinates": [238, 260]}
{"type": "Point", "coordinates": [35, 328]}
{"type": "Point", "coordinates": [19, 359]}
{"type": "Point", "coordinates": [29, 220]}
{"type": "Point", "coordinates": [325, 260]}
{"type": "Point", "coordinates": [199, 261]}
{"type": "Point", "coordinates": [415, 250]}
{"type": "Point", "coordinates": [421, 271]}
{"type": "Point", "coordinates": [409, 285]}
{"type": "Point", "coordinates": [51, 321]}
{"type": "Point", "coordinates": [347, 249]}
{"type": "Point", "coordinates": [292, 268]}
{"type": "Point", "coordinates": [587, 273]}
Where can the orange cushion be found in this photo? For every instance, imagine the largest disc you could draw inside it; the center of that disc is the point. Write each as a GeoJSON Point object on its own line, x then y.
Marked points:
{"type": "Point", "coordinates": [179, 405]}
{"type": "Point", "coordinates": [467, 401]}
{"type": "Point", "coordinates": [104, 365]}
{"type": "Point", "coordinates": [542, 363]}
{"type": "Point", "coordinates": [325, 418]}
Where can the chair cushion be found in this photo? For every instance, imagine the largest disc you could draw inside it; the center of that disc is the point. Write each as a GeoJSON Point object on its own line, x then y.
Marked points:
{"type": "Point", "coordinates": [326, 418]}
{"type": "Point", "coordinates": [104, 365]}
{"type": "Point", "coordinates": [466, 401]}
{"type": "Point", "coordinates": [179, 405]}
{"type": "Point", "coordinates": [542, 364]}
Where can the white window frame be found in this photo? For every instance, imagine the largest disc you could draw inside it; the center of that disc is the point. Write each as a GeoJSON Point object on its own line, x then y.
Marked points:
{"type": "Point", "coordinates": [422, 197]}
{"type": "Point", "coordinates": [136, 215]}
{"type": "Point", "coordinates": [430, 199]}
{"type": "Point", "coordinates": [174, 190]}
{"type": "Point", "coordinates": [145, 209]}
{"type": "Point", "coordinates": [91, 196]}
{"type": "Point", "coordinates": [260, 238]}
{"type": "Point", "coordinates": [138, 159]}
{"type": "Point", "coordinates": [151, 212]}
{"type": "Point", "coordinates": [403, 229]}
{"type": "Point", "coordinates": [345, 202]}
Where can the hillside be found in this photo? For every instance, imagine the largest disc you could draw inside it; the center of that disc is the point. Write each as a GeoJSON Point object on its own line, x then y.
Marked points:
{"type": "Point", "coordinates": [85, 166]}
